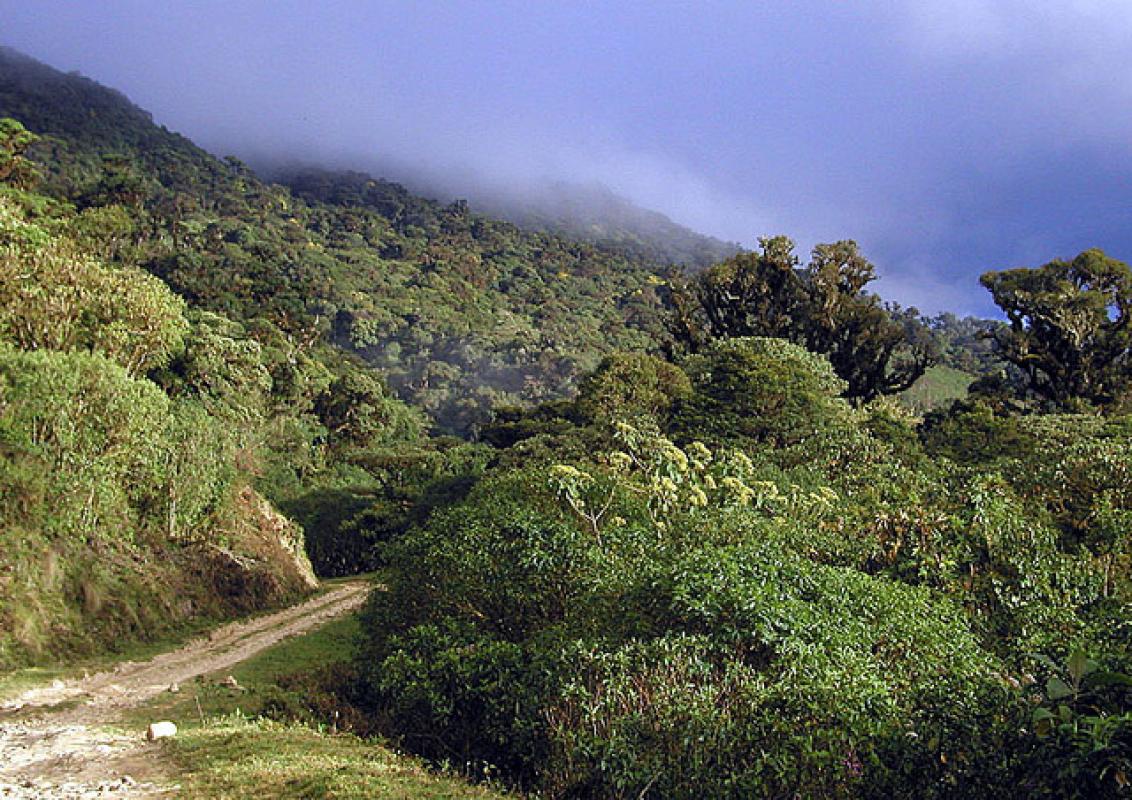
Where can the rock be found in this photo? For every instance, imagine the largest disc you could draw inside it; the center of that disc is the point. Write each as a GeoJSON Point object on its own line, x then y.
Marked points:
{"type": "Point", "coordinates": [160, 730]}
{"type": "Point", "coordinates": [174, 688]}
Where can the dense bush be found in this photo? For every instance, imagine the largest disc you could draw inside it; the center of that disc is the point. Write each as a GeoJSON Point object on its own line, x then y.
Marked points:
{"type": "Point", "coordinates": [704, 659]}
{"type": "Point", "coordinates": [824, 611]}
{"type": "Point", "coordinates": [759, 390]}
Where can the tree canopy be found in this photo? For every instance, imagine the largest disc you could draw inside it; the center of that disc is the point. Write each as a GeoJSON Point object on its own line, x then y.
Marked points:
{"type": "Point", "coordinates": [876, 349]}
{"type": "Point", "coordinates": [1070, 328]}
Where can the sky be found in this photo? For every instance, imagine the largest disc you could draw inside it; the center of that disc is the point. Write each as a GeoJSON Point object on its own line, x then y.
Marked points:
{"type": "Point", "coordinates": [948, 137]}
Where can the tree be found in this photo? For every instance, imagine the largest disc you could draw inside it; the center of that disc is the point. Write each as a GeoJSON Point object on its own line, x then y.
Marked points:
{"type": "Point", "coordinates": [15, 169]}
{"type": "Point", "coordinates": [751, 294]}
{"type": "Point", "coordinates": [1070, 327]}
{"type": "Point", "coordinates": [358, 412]}
{"type": "Point", "coordinates": [631, 385]}
{"type": "Point", "coordinates": [758, 390]}
{"type": "Point", "coordinates": [875, 349]}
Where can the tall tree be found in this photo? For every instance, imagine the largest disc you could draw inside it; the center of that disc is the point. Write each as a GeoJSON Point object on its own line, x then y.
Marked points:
{"type": "Point", "coordinates": [15, 169]}
{"type": "Point", "coordinates": [875, 349]}
{"type": "Point", "coordinates": [751, 294]}
{"type": "Point", "coordinates": [1070, 327]}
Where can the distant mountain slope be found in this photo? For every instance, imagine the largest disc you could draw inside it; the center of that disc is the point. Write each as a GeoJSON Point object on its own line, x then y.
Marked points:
{"type": "Point", "coordinates": [84, 124]}
{"type": "Point", "coordinates": [585, 212]}
{"type": "Point", "coordinates": [593, 213]}
{"type": "Point", "coordinates": [460, 310]}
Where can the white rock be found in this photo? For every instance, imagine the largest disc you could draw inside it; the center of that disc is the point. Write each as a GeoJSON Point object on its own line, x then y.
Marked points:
{"type": "Point", "coordinates": [160, 730]}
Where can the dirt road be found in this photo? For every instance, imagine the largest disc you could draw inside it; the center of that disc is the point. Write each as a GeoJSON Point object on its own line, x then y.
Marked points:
{"type": "Point", "coordinates": [73, 752]}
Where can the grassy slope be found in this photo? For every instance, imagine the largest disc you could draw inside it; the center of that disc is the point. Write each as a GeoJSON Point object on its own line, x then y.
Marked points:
{"type": "Point", "coordinates": [236, 758]}
{"type": "Point", "coordinates": [227, 748]}
{"type": "Point", "coordinates": [938, 387]}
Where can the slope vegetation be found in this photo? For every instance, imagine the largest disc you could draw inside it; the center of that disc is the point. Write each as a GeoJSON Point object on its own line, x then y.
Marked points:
{"type": "Point", "coordinates": [460, 310]}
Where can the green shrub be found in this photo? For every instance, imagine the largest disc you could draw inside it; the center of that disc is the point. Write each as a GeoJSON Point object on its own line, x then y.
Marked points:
{"type": "Point", "coordinates": [53, 295]}
{"type": "Point", "coordinates": [96, 431]}
{"type": "Point", "coordinates": [630, 385]}
{"type": "Point", "coordinates": [757, 390]}
{"type": "Point", "coordinates": [701, 659]}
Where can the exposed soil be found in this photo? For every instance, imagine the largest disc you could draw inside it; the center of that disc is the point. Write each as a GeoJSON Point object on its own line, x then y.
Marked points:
{"type": "Point", "coordinates": [59, 742]}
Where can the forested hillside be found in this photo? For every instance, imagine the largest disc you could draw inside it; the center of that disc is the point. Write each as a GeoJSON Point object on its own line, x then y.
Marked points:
{"type": "Point", "coordinates": [460, 311]}
{"type": "Point", "coordinates": [129, 426]}
{"type": "Point", "coordinates": [593, 213]}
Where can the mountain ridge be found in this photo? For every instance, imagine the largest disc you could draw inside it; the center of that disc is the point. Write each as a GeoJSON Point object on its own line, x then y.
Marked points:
{"type": "Point", "coordinates": [459, 310]}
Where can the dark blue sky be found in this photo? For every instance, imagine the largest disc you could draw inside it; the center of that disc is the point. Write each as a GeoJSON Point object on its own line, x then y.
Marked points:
{"type": "Point", "coordinates": [948, 137]}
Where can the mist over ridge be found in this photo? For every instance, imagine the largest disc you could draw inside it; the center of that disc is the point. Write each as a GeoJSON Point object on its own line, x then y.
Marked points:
{"type": "Point", "coordinates": [947, 143]}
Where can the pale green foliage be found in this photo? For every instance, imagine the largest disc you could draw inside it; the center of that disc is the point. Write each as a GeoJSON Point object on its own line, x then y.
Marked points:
{"type": "Point", "coordinates": [670, 481]}
{"type": "Point", "coordinates": [223, 368]}
{"type": "Point", "coordinates": [53, 296]}
{"type": "Point", "coordinates": [93, 429]}
{"type": "Point", "coordinates": [115, 457]}
{"type": "Point", "coordinates": [194, 471]}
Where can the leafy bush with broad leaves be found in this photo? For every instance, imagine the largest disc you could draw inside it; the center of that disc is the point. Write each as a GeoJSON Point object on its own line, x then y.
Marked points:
{"type": "Point", "coordinates": [701, 658]}
{"type": "Point", "coordinates": [1083, 720]}
{"type": "Point", "coordinates": [827, 614]}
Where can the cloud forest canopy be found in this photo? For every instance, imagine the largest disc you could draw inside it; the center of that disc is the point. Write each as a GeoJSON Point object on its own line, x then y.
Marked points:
{"type": "Point", "coordinates": [875, 349]}
{"type": "Point", "coordinates": [705, 573]}
{"type": "Point", "coordinates": [1070, 328]}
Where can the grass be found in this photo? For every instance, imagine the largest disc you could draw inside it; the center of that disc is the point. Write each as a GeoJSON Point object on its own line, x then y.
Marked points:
{"type": "Point", "coordinates": [21, 680]}
{"type": "Point", "coordinates": [226, 749]}
{"type": "Point", "coordinates": [258, 678]}
{"type": "Point", "coordinates": [240, 758]}
{"type": "Point", "coordinates": [938, 387]}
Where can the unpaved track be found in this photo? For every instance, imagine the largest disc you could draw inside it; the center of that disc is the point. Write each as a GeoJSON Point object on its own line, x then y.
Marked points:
{"type": "Point", "coordinates": [68, 753]}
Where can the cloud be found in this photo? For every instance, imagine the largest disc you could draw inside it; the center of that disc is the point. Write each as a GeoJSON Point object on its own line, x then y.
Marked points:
{"type": "Point", "coordinates": [1068, 57]}
{"type": "Point", "coordinates": [947, 136]}
{"type": "Point", "coordinates": [1005, 28]}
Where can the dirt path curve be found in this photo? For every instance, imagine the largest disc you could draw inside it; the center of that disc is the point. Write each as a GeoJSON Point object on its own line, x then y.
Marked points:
{"type": "Point", "coordinates": [69, 754]}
